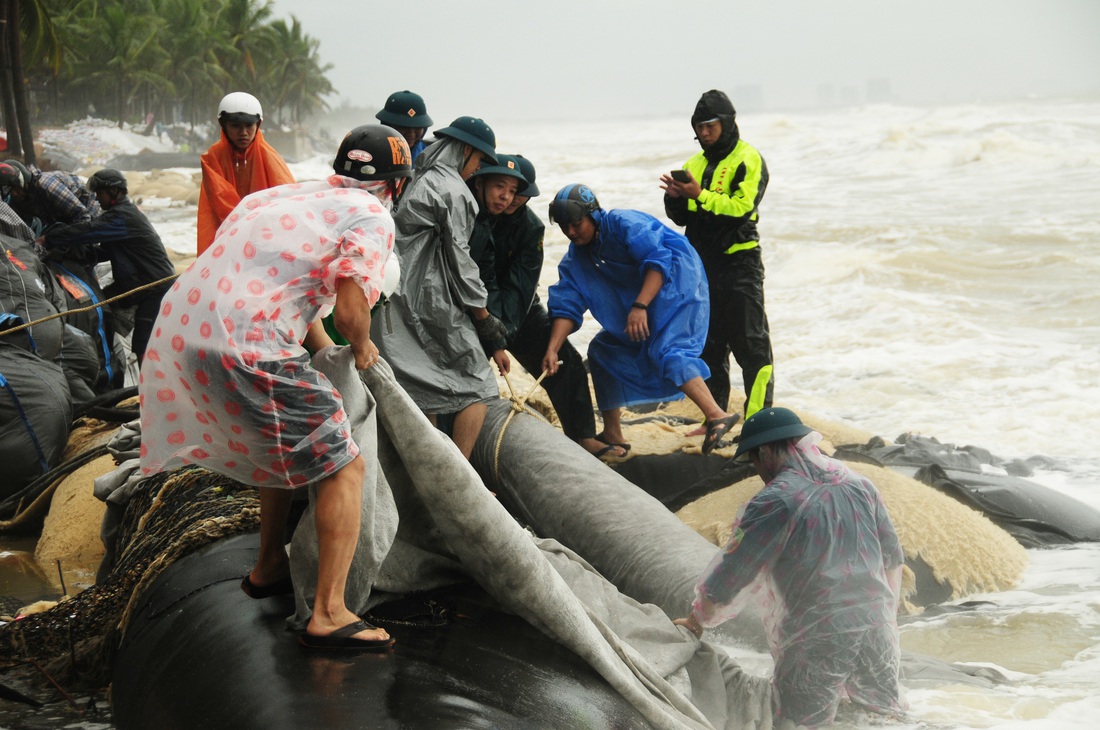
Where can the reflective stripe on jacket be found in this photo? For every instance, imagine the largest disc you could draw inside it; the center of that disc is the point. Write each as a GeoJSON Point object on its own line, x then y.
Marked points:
{"type": "Point", "coordinates": [723, 220]}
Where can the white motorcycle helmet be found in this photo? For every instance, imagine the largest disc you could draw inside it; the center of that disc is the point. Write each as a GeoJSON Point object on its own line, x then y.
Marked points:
{"type": "Point", "coordinates": [240, 107]}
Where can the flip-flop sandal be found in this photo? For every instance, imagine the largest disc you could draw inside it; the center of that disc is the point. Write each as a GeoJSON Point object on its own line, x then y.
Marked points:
{"type": "Point", "coordinates": [607, 450]}
{"type": "Point", "coordinates": [343, 638]}
{"type": "Point", "coordinates": [282, 587]}
{"type": "Point", "coordinates": [603, 440]}
{"type": "Point", "coordinates": [716, 429]}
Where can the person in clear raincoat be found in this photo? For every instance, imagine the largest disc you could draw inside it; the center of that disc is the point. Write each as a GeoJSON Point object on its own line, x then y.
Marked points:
{"type": "Point", "coordinates": [816, 547]}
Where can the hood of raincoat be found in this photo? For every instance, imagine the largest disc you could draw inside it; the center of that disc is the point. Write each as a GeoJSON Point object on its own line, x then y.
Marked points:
{"type": "Point", "coordinates": [444, 152]}
{"type": "Point", "coordinates": [713, 104]}
{"type": "Point", "coordinates": [378, 188]}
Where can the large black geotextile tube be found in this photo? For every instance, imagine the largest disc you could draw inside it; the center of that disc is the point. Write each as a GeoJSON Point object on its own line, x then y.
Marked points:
{"type": "Point", "coordinates": [554, 486]}
{"type": "Point", "coordinates": [198, 653]}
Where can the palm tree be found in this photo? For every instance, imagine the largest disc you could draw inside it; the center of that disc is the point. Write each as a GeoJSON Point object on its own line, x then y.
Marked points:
{"type": "Point", "coordinates": [247, 36]}
{"type": "Point", "coordinates": [297, 79]}
{"type": "Point", "coordinates": [13, 84]}
{"type": "Point", "coordinates": [163, 54]}
{"type": "Point", "coordinates": [126, 57]}
{"type": "Point", "coordinates": [194, 43]}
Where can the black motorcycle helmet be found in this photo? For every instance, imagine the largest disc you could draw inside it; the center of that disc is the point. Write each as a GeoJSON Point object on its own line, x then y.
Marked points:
{"type": "Point", "coordinates": [107, 179]}
{"type": "Point", "coordinates": [13, 174]}
{"type": "Point", "coordinates": [374, 152]}
{"type": "Point", "coordinates": [572, 203]}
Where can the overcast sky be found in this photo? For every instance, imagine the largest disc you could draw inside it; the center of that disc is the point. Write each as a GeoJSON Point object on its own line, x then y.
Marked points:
{"type": "Point", "coordinates": [526, 59]}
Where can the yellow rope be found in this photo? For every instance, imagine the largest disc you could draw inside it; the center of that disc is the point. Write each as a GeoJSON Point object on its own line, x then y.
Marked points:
{"type": "Point", "coordinates": [90, 307]}
{"type": "Point", "coordinates": [519, 405]}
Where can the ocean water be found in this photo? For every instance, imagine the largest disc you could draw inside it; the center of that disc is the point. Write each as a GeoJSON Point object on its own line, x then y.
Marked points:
{"type": "Point", "coordinates": [930, 270]}
{"type": "Point", "coordinates": [933, 271]}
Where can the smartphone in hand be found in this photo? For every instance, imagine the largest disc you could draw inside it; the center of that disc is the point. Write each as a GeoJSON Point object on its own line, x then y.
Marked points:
{"type": "Point", "coordinates": [681, 176]}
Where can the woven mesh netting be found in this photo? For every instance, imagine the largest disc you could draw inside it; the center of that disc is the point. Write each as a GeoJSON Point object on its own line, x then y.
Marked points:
{"type": "Point", "coordinates": [171, 515]}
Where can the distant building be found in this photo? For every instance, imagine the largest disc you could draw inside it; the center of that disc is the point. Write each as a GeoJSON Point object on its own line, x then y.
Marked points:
{"type": "Point", "coordinates": [748, 97]}
{"type": "Point", "coordinates": [878, 91]}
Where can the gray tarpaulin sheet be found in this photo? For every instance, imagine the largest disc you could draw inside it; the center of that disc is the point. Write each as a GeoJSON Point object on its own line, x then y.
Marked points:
{"type": "Point", "coordinates": [428, 517]}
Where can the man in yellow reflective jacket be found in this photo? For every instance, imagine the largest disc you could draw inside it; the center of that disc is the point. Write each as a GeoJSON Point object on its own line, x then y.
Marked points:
{"type": "Point", "coordinates": [716, 200]}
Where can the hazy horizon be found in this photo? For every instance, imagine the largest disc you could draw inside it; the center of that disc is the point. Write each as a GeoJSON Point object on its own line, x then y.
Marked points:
{"type": "Point", "coordinates": [609, 58]}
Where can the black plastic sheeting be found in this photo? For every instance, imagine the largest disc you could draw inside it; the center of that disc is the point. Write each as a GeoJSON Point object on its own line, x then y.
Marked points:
{"type": "Point", "coordinates": [27, 291]}
{"type": "Point", "coordinates": [676, 480]}
{"type": "Point", "coordinates": [200, 654]}
{"type": "Point", "coordinates": [35, 414]}
{"type": "Point", "coordinates": [1033, 514]}
{"type": "Point", "coordinates": [81, 289]}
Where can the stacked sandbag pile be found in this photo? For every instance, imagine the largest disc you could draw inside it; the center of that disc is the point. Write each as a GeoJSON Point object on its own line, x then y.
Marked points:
{"type": "Point", "coordinates": [35, 401]}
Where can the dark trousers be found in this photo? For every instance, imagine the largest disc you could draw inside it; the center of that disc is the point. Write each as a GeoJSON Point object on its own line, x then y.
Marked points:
{"type": "Point", "coordinates": [568, 389]}
{"type": "Point", "coordinates": [148, 307]}
{"type": "Point", "coordinates": [739, 325]}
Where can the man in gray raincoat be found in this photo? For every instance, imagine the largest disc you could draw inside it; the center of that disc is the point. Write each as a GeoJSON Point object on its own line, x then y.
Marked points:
{"type": "Point", "coordinates": [438, 329]}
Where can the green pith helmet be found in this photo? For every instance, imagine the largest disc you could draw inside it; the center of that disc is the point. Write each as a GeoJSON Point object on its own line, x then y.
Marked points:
{"type": "Point", "coordinates": [506, 165]}
{"type": "Point", "coordinates": [405, 109]}
{"type": "Point", "coordinates": [528, 170]}
{"type": "Point", "coordinates": [768, 426]}
{"type": "Point", "coordinates": [474, 132]}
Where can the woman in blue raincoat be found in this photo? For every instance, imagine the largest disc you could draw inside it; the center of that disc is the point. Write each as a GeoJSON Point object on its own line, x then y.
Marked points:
{"type": "Point", "coordinates": [645, 285]}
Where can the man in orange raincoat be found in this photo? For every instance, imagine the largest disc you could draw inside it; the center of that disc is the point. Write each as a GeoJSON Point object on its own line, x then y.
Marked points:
{"type": "Point", "coordinates": [239, 163]}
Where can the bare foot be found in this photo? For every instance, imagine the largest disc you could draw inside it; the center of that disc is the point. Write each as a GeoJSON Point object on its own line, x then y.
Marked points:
{"type": "Point", "coordinates": [700, 431]}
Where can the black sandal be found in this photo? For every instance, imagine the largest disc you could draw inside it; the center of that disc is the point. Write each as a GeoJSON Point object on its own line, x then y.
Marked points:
{"type": "Point", "coordinates": [716, 429]}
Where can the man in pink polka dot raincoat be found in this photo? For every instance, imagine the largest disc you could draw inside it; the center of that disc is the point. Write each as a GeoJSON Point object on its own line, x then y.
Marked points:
{"type": "Point", "coordinates": [227, 385]}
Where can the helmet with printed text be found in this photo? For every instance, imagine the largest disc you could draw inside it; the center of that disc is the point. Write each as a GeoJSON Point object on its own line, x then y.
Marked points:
{"type": "Point", "coordinates": [373, 152]}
